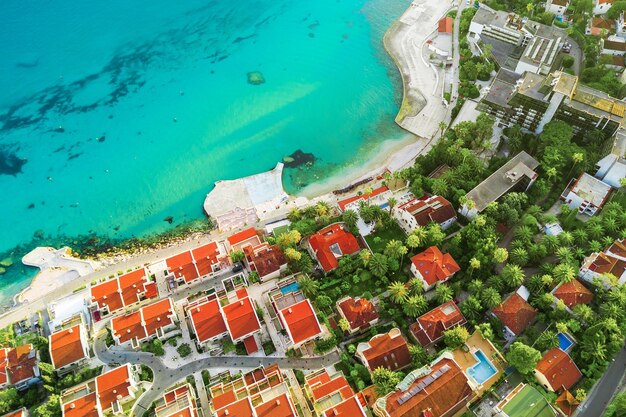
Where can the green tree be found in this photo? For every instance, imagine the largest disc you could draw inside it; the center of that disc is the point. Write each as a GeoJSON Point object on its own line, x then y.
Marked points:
{"type": "Point", "coordinates": [455, 337]}
{"type": "Point", "coordinates": [292, 254]}
{"type": "Point", "coordinates": [385, 380]}
{"type": "Point", "coordinates": [419, 356]}
{"type": "Point", "coordinates": [414, 305]}
{"type": "Point", "coordinates": [486, 331]}
{"type": "Point", "coordinates": [398, 291]}
{"type": "Point", "coordinates": [443, 293]}
{"type": "Point", "coordinates": [519, 256]}
{"type": "Point", "coordinates": [365, 256]}
{"type": "Point", "coordinates": [546, 341]}
{"type": "Point", "coordinates": [471, 308]}
{"type": "Point", "coordinates": [350, 218]}
{"type": "Point", "coordinates": [490, 298]}
{"type": "Point", "coordinates": [308, 286]}
{"type": "Point", "coordinates": [379, 265]}
{"type": "Point", "coordinates": [500, 255]}
{"type": "Point", "coordinates": [564, 273]}
{"type": "Point", "coordinates": [237, 256]}
{"type": "Point", "coordinates": [523, 357]}
{"type": "Point", "coordinates": [395, 249]}
{"type": "Point", "coordinates": [513, 275]}
{"type": "Point", "coordinates": [344, 324]}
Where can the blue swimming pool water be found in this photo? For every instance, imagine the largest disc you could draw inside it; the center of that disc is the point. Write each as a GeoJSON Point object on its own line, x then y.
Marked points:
{"type": "Point", "coordinates": [293, 287]}
{"type": "Point", "coordinates": [483, 370]}
{"type": "Point", "coordinates": [564, 341]}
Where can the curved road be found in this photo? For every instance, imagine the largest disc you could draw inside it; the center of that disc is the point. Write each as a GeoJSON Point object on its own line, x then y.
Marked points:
{"type": "Point", "coordinates": [165, 377]}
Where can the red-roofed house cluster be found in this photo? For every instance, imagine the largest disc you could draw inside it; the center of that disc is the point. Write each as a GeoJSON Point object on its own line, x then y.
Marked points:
{"type": "Point", "coordinates": [419, 212]}
{"type": "Point", "coordinates": [387, 350]}
{"type": "Point", "coordinates": [359, 312]}
{"type": "Point", "coordinates": [178, 402]}
{"type": "Point", "coordinates": [108, 391]}
{"type": "Point", "coordinates": [213, 317]}
{"type": "Point", "coordinates": [190, 266]}
{"type": "Point", "coordinates": [121, 292]}
{"type": "Point", "coordinates": [332, 396]}
{"type": "Point", "coordinates": [19, 367]}
{"type": "Point", "coordinates": [153, 320]}
{"type": "Point", "coordinates": [267, 260]}
{"type": "Point", "coordinates": [330, 244]}
{"type": "Point", "coordinates": [263, 392]}
{"type": "Point", "coordinates": [433, 267]}
{"type": "Point", "coordinates": [610, 262]}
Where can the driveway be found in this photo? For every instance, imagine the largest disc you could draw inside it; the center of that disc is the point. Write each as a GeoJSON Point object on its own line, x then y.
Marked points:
{"type": "Point", "coordinates": [601, 394]}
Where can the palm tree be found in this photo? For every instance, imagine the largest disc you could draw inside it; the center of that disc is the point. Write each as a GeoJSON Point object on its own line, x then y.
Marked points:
{"type": "Point", "coordinates": [566, 238]}
{"type": "Point", "coordinates": [471, 308]}
{"type": "Point", "coordinates": [551, 173]}
{"type": "Point", "coordinates": [392, 202]}
{"type": "Point", "coordinates": [490, 298]}
{"type": "Point", "coordinates": [519, 256]}
{"type": "Point", "coordinates": [367, 192]}
{"type": "Point", "coordinates": [584, 312]}
{"type": "Point", "coordinates": [475, 286]}
{"type": "Point", "coordinates": [365, 256]}
{"type": "Point", "coordinates": [415, 305]}
{"type": "Point", "coordinates": [308, 286]}
{"type": "Point", "coordinates": [416, 286]}
{"type": "Point", "coordinates": [350, 218]}
{"type": "Point", "coordinates": [379, 265]}
{"type": "Point", "coordinates": [551, 242]}
{"type": "Point", "coordinates": [524, 233]}
{"type": "Point", "coordinates": [500, 255]}
{"type": "Point", "coordinates": [580, 235]}
{"type": "Point", "coordinates": [395, 249]}
{"type": "Point", "coordinates": [564, 254]}
{"type": "Point", "coordinates": [322, 208]}
{"type": "Point", "coordinates": [564, 272]}
{"type": "Point", "coordinates": [398, 291]}
{"type": "Point", "coordinates": [417, 237]}
{"type": "Point", "coordinates": [593, 349]}
{"type": "Point", "coordinates": [442, 127]}
{"type": "Point", "coordinates": [513, 275]}
{"type": "Point", "coordinates": [595, 230]}
{"type": "Point", "coordinates": [443, 293]}
{"type": "Point", "coordinates": [440, 186]}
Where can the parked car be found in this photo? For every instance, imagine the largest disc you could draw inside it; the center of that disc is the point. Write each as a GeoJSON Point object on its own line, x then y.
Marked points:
{"type": "Point", "coordinates": [237, 267]}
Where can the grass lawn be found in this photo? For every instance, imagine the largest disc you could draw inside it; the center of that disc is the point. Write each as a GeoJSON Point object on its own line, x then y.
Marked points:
{"type": "Point", "coordinates": [280, 230]}
{"type": "Point", "coordinates": [528, 403]}
{"type": "Point", "coordinates": [378, 240]}
{"type": "Point", "coordinates": [619, 197]}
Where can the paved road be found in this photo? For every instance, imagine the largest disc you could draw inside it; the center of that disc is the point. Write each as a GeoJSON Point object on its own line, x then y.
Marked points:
{"type": "Point", "coordinates": [165, 376]}
{"type": "Point", "coordinates": [601, 395]}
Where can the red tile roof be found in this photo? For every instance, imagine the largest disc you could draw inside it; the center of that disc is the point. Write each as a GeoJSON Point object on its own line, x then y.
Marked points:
{"type": "Point", "coordinates": [241, 408]}
{"type": "Point", "coordinates": [613, 45]}
{"type": "Point", "coordinates": [124, 290]}
{"type": "Point", "coordinates": [331, 243]}
{"type": "Point", "coordinates": [445, 25]}
{"type": "Point", "coordinates": [250, 345]}
{"type": "Point", "coordinates": [300, 321]}
{"type": "Point", "coordinates": [3, 366]}
{"type": "Point", "coordinates": [388, 350]}
{"type": "Point", "coordinates": [128, 326]}
{"type": "Point", "coordinates": [559, 369]}
{"type": "Point", "coordinates": [434, 265]}
{"type": "Point", "coordinates": [618, 248]}
{"type": "Point", "coordinates": [429, 328]}
{"type": "Point", "coordinates": [573, 293]}
{"type": "Point", "coordinates": [600, 23]}
{"type": "Point", "coordinates": [608, 264]}
{"type": "Point", "coordinates": [157, 315]}
{"type": "Point", "coordinates": [432, 209]}
{"type": "Point", "coordinates": [242, 236]}
{"type": "Point", "coordinates": [132, 286]}
{"type": "Point", "coordinates": [85, 406]}
{"type": "Point", "coordinates": [113, 385]}
{"type": "Point", "coordinates": [222, 400]}
{"type": "Point", "coordinates": [207, 320]}
{"type": "Point", "coordinates": [567, 403]}
{"type": "Point", "coordinates": [266, 259]}
{"type": "Point", "coordinates": [277, 407]}
{"type": "Point", "coordinates": [515, 313]}
{"type": "Point", "coordinates": [359, 312]}
{"type": "Point", "coordinates": [107, 294]}
{"type": "Point", "coordinates": [21, 363]}
{"type": "Point", "coordinates": [182, 265]}
{"type": "Point", "coordinates": [365, 196]}
{"type": "Point", "coordinates": [330, 386]}
{"type": "Point", "coordinates": [241, 319]}
{"type": "Point", "coordinates": [444, 396]}
{"type": "Point", "coordinates": [66, 346]}
{"type": "Point", "coordinates": [206, 256]}
{"type": "Point", "coordinates": [351, 407]}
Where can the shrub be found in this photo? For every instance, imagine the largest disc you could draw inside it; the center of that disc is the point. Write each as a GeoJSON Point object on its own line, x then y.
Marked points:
{"type": "Point", "coordinates": [184, 350]}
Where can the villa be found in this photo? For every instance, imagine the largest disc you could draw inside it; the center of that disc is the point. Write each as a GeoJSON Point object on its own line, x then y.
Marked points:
{"type": "Point", "coordinates": [586, 194]}
{"type": "Point", "coordinates": [120, 292]}
{"type": "Point", "coordinates": [557, 7]}
{"type": "Point", "coordinates": [515, 313]}
{"type": "Point", "coordinates": [330, 244]}
{"type": "Point", "coordinates": [612, 168]}
{"type": "Point", "coordinates": [153, 320]}
{"type": "Point", "coordinates": [68, 310]}
{"type": "Point", "coordinates": [332, 396]}
{"type": "Point", "coordinates": [419, 212]}
{"type": "Point", "coordinates": [379, 197]}
{"type": "Point", "coordinates": [359, 312]}
{"type": "Point", "coordinates": [602, 6]}
{"type": "Point", "coordinates": [19, 367]}
{"type": "Point", "coordinates": [300, 322]}
{"type": "Point", "coordinates": [433, 267]}
{"type": "Point", "coordinates": [244, 239]}
{"type": "Point", "coordinates": [440, 389]}
{"type": "Point", "coordinates": [556, 371]}
{"type": "Point", "coordinates": [178, 402]}
{"type": "Point", "coordinates": [267, 260]}
{"type": "Point", "coordinates": [599, 26]}
{"type": "Point", "coordinates": [572, 294]}
{"type": "Point", "coordinates": [610, 262]}
{"type": "Point", "coordinates": [387, 350]}
{"type": "Point", "coordinates": [69, 348]}
{"type": "Point", "coordinates": [242, 321]}
{"type": "Point", "coordinates": [429, 328]}
{"type": "Point", "coordinates": [206, 321]}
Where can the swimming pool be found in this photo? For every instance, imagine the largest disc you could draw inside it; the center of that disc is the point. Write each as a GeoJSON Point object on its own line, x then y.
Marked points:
{"type": "Point", "coordinates": [565, 342]}
{"type": "Point", "coordinates": [293, 287]}
{"type": "Point", "coordinates": [483, 370]}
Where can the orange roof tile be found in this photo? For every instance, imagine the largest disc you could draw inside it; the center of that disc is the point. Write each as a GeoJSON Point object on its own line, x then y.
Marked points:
{"type": "Point", "coordinates": [205, 257]}
{"type": "Point", "coordinates": [445, 25]}
{"type": "Point", "coordinates": [128, 326]}
{"type": "Point", "coordinates": [132, 285]}
{"type": "Point", "coordinates": [567, 403]}
{"type": "Point", "coordinates": [267, 259]}
{"type": "Point", "coordinates": [359, 312]}
{"type": "Point", "coordinates": [18, 413]}
{"type": "Point", "coordinates": [66, 346]}
{"type": "Point", "coordinates": [365, 196]}
{"type": "Point", "coordinates": [331, 243]}
{"type": "Point", "coordinates": [515, 313]}
{"type": "Point", "coordinates": [618, 248]}
{"type": "Point", "coordinates": [573, 293]}
{"type": "Point", "coordinates": [559, 369]}
{"type": "Point", "coordinates": [435, 266]}
{"type": "Point", "coordinates": [241, 408]}
{"type": "Point", "coordinates": [3, 366]}
{"type": "Point", "coordinates": [351, 407]}
{"type": "Point", "coordinates": [608, 264]}
{"type": "Point", "coordinates": [222, 400]}
{"type": "Point", "coordinates": [241, 319]}
{"type": "Point", "coordinates": [113, 385]}
{"type": "Point", "coordinates": [337, 384]}
{"type": "Point", "coordinates": [277, 407]}
{"type": "Point", "coordinates": [207, 320]}
{"type": "Point", "coordinates": [107, 294]}
{"type": "Point", "coordinates": [388, 350]}
{"type": "Point", "coordinates": [445, 394]}
{"type": "Point", "coordinates": [85, 406]}
{"type": "Point", "coordinates": [300, 321]}
{"type": "Point", "coordinates": [182, 265]}
{"type": "Point", "coordinates": [250, 345]}
{"type": "Point", "coordinates": [157, 315]}
{"type": "Point", "coordinates": [429, 328]}
{"type": "Point", "coordinates": [242, 236]}
{"type": "Point", "coordinates": [21, 363]}
{"type": "Point", "coordinates": [432, 209]}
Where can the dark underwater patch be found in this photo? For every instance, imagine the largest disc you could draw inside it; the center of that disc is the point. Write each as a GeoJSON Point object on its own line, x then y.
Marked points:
{"type": "Point", "coordinates": [10, 163]}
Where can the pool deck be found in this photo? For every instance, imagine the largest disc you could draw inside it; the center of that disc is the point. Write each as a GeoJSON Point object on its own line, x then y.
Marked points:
{"type": "Point", "coordinates": [466, 359]}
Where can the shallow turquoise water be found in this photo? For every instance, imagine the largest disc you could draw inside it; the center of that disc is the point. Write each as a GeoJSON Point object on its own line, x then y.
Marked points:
{"type": "Point", "coordinates": [127, 112]}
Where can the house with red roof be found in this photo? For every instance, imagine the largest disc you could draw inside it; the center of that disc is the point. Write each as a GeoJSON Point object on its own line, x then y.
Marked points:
{"type": "Point", "coordinates": [611, 262]}
{"type": "Point", "coordinates": [239, 241]}
{"type": "Point", "coordinates": [602, 6]}
{"type": "Point", "coordinates": [19, 367]}
{"type": "Point", "coordinates": [332, 395]}
{"type": "Point", "coordinates": [556, 371]}
{"type": "Point", "coordinates": [387, 350]}
{"type": "Point", "coordinates": [330, 244]}
{"type": "Point", "coordinates": [351, 407]}
{"type": "Point", "coordinates": [153, 320]}
{"type": "Point", "coordinates": [567, 403]}
{"type": "Point", "coordinates": [438, 390]}
{"type": "Point", "coordinates": [69, 348]}
{"type": "Point", "coordinates": [361, 313]}
{"type": "Point", "coordinates": [267, 260]}
{"type": "Point", "coordinates": [300, 322]}
{"type": "Point", "coordinates": [419, 212]}
{"type": "Point", "coordinates": [377, 197]}
{"type": "Point", "coordinates": [120, 292]}
{"type": "Point", "coordinates": [22, 412]}
{"type": "Point", "coordinates": [444, 26]}
{"type": "Point", "coordinates": [81, 405]}
{"type": "Point", "coordinates": [178, 402]}
{"type": "Point", "coordinates": [191, 266]}
{"type": "Point", "coordinates": [515, 313]}
{"type": "Point", "coordinates": [206, 321]}
{"type": "Point", "coordinates": [572, 294]}
{"type": "Point", "coordinates": [429, 328]}
{"type": "Point", "coordinates": [433, 267]}
{"type": "Point", "coordinates": [240, 318]}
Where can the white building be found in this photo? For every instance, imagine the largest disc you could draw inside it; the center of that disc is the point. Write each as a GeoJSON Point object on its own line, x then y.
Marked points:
{"type": "Point", "coordinates": [422, 211]}
{"type": "Point", "coordinates": [586, 194]}
{"type": "Point", "coordinates": [557, 7]}
{"type": "Point", "coordinates": [602, 6]}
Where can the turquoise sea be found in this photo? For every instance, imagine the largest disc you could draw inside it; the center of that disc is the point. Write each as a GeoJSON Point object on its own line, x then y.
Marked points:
{"type": "Point", "coordinates": [115, 115]}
